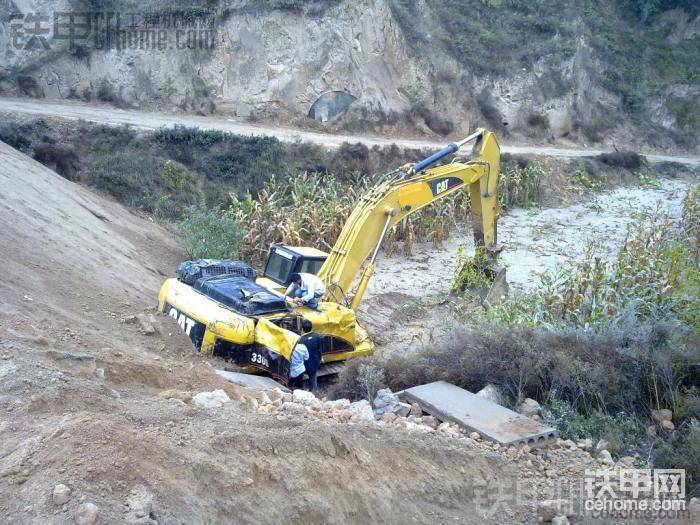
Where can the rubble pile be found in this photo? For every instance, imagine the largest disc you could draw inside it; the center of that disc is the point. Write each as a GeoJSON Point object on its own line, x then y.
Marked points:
{"type": "Point", "coordinates": [541, 469]}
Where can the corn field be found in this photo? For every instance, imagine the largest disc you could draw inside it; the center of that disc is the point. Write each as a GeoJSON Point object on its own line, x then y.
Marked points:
{"type": "Point", "coordinates": [310, 209]}
{"type": "Point", "coordinates": [654, 276]}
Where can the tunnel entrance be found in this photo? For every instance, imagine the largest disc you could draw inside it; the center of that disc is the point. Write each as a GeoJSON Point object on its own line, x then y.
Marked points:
{"type": "Point", "coordinates": [330, 105]}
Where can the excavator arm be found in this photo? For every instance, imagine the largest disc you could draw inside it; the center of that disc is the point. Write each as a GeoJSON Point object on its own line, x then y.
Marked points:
{"type": "Point", "coordinates": [405, 192]}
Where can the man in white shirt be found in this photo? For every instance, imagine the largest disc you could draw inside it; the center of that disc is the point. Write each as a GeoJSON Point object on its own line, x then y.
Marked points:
{"type": "Point", "coordinates": [297, 366]}
{"type": "Point", "coordinates": [306, 289]}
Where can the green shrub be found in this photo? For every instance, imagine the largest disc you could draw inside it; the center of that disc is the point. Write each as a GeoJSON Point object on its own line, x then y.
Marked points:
{"type": "Point", "coordinates": [521, 186]}
{"type": "Point", "coordinates": [491, 113]}
{"type": "Point", "coordinates": [212, 234]}
{"type": "Point", "coordinates": [628, 160]}
{"type": "Point", "coordinates": [63, 160]}
{"type": "Point", "coordinates": [654, 276]}
{"type": "Point", "coordinates": [685, 111]}
{"type": "Point", "coordinates": [105, 92]}
{"type": "Point", "coordinates": [472, 271]}
{"type": "Point", "coordinates": [538, 120]}
{"type": "Point", "coordinates": [681, 450]}
{"type": "Point", "coordinates": [147, 182]}
{"type": "Point", "coordinates": [12, 135]}
{"type": "Point", "coordinates": [29, 86]}
{"type": "Point", "coordinates": [624, 434]}
{"type": "Point", "coordinates": [221, 156]}
{"type": "Point", "coordinates": [20, 136]}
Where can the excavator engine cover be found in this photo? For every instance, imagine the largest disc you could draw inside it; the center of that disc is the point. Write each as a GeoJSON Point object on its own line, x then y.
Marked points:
{"type": "Point", "coordinates": [241, 295]}
{"type": "Point", "coordinates": [189, 271]}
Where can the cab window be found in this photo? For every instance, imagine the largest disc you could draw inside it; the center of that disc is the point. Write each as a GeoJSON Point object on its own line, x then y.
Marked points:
{"type": "Point", "coordinates": [310, 266]}
{"type": "Point", "coordinates": [278, 267]}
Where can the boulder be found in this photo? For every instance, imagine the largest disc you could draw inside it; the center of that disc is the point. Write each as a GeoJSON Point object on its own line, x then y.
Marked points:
{"type": "Point", "coordinates": [551, 508]}
{"type": "Point", "coordinates": [626, 462]}
{"type": "Point", "coordinates": [430, 421]}
{"type": "Point", "coordinates": [529, 408]}
{"type": "Point", "coordinates": [250, 402]}
{"type": "Point", "coordinates": [86, 514]}
{"type": "Point", "coordinates": [305, 398]}
{"type": "Point", "coordinates": [493, 394]}
{"type": "Point", "coordinates": [294, 408]}
{"type": "Point", "coordinates": [475, 436]}
{"type": "Point", "coordinates": [667, 425]}
{"type": "Point", "coordinates": [61, 494]}
{"type": "Point", "coordinates": [338, 404]}
{"type": "Point", "coordinates": [182, 395]}
{"type": "Point", "coordinates": [388, 417]}
{"type": "Point", "coordinates": [448, 428]}
{"type": "Point", "coordinates": [413, 427]}
{"type": "Point", "coordinates": [386, 401]}
{"type": "Point", "coordinates": [416, 410]}
{"type": "Point", "coordinates": [560, 520]}
{"type": "Point", "coordinates": [385, 398]}
{"type": "Point", "coordinates": [274, 394]}
{"type": "Point", "coordinates": [342, 415]}
{"type": "Point", "coordinates": [605, 457]}
{"type": "Point", "coordinates": [213, 399]}
{"type": "Point", "coordinates": [140, 506]}
{"type": "Point", "coordinates": [146, 323]}
{"type": "Point", "coordinates": [262, 397]}
{"type": "Point", "coordinates": [661, 415]}
{"type": "Point", "coordinates": [585, 444]}
{"type": "Point", "coordinates": [402, 409]}
{"type": "Point", "coordinates": [361, 411]}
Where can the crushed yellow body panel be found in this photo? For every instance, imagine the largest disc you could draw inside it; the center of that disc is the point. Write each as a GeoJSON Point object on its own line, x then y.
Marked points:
{"type": "Point", "coordinates": [260, 343]}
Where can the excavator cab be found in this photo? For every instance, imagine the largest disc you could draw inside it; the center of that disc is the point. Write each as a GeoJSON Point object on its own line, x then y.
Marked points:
{"type": "Point", "coordinates": [283, 261]}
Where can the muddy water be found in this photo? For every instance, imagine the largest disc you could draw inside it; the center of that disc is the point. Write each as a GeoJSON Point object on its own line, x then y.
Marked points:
{"type": "Point", "coordinates": [534, 240]}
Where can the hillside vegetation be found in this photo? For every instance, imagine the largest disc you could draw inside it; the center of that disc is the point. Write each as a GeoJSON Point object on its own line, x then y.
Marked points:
{"type": "Point", "coordinates": [623, 71]}
{"type": "Point", "coordinates": [636, 55]}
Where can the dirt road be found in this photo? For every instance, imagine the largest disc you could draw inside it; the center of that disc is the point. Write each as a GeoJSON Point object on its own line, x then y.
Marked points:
{"type": "Point", "coordinates": [103, 114]}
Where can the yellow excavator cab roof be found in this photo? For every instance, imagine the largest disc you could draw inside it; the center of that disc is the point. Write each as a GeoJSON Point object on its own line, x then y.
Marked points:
{"type": "Point", "coordinates": [307, 251]}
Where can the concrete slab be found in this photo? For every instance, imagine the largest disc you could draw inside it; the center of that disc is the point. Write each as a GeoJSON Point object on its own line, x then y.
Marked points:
{"type": "Point", "coordinates": [251, 380]}
{"type": "Point", "coordinates": [448, 402]}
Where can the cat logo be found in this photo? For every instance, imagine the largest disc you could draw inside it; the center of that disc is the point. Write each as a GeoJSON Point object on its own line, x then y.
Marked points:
{"type": "Point", "coordinates": [185, 322]}
{"type": "Point", "coordinates": [440, 186]}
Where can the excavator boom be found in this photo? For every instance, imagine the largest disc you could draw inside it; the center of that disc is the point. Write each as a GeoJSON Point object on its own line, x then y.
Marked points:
{"type": "Point", "coordinates": [405, 192]}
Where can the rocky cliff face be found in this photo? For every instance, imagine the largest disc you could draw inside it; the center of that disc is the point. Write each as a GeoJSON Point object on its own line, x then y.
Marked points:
{"type": "Point", "coordinates": [248, 61]}
{"type": "Point", "coordinates": [255, 62]}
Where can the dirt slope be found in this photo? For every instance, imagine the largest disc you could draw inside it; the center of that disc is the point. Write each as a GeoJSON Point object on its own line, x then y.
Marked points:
{"type": "Point", "coordinates": [108, 115]}
{"type": "Point", "coordinates": [79, 400]}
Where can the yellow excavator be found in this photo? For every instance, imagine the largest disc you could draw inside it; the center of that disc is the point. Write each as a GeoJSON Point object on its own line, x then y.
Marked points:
{"type": "Point", "coordinates": [226, 309]}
